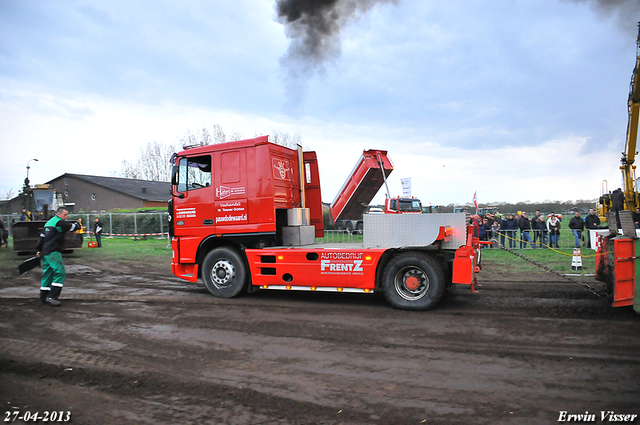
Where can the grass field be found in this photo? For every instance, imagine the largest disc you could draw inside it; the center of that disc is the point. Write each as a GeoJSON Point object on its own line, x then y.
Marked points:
{"type": "Point", "coordinates": [151, 252]}
{"type": "Point", "coordinates": [156, 253]}
{"type": "Point", "coordinates": [558, 259]}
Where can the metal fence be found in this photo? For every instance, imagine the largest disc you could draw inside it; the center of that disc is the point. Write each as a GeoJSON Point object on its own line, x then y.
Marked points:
{"type": "Point", "coordinates": [510, 239]}
{"type": "Point", "coordinates": [539, 239]}
{"type": "Point", "coordinates": [156, 223]}
{"type": "Point", "coordinates": [340, 236]}
{"type": "Point", "coordinates": [115, 224]}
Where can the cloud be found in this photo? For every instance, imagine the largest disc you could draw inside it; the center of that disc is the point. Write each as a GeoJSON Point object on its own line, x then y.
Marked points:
{"type": "Point", "coordinates": [148, 52]}
{"type": "Point", "coordinates": [457, 84]}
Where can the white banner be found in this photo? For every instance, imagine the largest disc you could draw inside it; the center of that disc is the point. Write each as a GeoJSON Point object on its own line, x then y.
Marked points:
{"type": "Point", "coordinates": [406, 187]}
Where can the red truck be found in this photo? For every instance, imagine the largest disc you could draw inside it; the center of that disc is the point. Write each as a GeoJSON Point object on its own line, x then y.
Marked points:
{"type": "Point", "coordinates": [245, 216]}
{"type": "Point", "coordinates": [364, 182]}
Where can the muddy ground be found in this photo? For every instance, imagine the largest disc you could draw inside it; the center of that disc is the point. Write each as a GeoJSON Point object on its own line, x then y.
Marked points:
{"type": "Point", "coordinates": [138, 346]}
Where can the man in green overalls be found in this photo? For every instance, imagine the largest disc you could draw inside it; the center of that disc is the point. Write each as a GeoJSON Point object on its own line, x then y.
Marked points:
{"type": "Point", "coordinates": [50, 245]}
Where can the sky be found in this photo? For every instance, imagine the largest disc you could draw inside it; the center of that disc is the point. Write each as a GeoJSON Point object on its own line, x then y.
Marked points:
{"type": "Point", "coordinates": [514, 100]}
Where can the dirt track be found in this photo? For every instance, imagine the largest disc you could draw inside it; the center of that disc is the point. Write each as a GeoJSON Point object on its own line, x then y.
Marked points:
{"type": "Point", "coordinates": [134, 347]}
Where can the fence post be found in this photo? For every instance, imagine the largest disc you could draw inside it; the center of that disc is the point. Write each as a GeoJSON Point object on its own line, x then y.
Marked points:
{"type": "Point", "coordinates": [111, 224]}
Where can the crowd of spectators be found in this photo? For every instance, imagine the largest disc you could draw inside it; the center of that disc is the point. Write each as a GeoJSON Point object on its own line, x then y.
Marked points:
{"type": "Point", "coordinates": [537, 231]}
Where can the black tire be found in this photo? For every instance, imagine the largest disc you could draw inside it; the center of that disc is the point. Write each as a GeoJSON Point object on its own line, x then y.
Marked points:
{"type": "Point", "coordinates": [349, 226]}
{"type": "Point", "coordinates": [224, 272]}
{"type": "Point", "coordinates": [413, 281]}
{"type": "Point", "coordinates": [359, 227]}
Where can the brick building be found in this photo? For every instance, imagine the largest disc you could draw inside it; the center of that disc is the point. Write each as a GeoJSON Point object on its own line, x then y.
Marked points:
{"type": "Point", "coordinates": [97, 194]}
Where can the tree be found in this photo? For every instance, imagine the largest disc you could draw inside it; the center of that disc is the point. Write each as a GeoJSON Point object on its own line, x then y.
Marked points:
{"type": "Point", "coordinates": [152, 164]}
{"type": "Point", "coordinates": [218, 135]}
{"type": "Point", "coordinates": [285, 139]}
{"type": "Point", "coordinates": [9, 194]}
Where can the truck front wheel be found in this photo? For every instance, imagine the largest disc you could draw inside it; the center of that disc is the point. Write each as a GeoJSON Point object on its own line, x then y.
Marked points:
{"type": "Point", "coordinates": [413, 281]}
{"type": "Point", "coordinates": [224, 273]}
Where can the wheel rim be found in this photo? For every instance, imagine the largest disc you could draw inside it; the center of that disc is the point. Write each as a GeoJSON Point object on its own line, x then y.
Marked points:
{"type": "Point", "coordinates": [222, 273]}
{"type": "Point", "coordinates": [411, 283]}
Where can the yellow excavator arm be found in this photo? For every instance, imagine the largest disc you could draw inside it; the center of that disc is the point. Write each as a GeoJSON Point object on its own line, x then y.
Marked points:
{"type": "Point", "coordinates": [629, 154]}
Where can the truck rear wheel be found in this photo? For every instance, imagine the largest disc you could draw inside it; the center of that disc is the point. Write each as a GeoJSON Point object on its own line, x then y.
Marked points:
{"type": "Point", "coordinates": [349, 226]}
{"type": "Point", "coordinates": [413, 281]}
{"type": "Point", "coordinates": [224, 272]}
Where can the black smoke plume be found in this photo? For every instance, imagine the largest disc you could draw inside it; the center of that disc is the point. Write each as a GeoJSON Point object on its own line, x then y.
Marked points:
{"type": "Point", "coordinates": [625, 12]}
{"type": "Point", "coordinates": [313, 28]}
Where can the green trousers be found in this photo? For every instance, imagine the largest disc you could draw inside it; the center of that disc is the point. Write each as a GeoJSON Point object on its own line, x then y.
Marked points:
{"type": "Point", "coordinates": [53, 275]}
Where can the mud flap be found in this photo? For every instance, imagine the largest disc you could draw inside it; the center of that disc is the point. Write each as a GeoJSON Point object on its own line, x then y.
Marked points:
{"type": "Point", "coordinates": [636, 302]}
{"type": "Point", "coordinates": [625, 270]}
{"type": "Point", "coordinates": [464, 267]}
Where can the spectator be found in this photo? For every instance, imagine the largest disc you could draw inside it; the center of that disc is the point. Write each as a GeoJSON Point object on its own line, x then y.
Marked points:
{"type": "Point", "coordinates": [606, 200]}
{"type": "Point", "coordinates": [503, 233]}
{"type": "Point", "coordinates": [617, 204]}
{"type": "Point", "coordinates": [490, 220]}
{"type": "Point", "coordinates": [4, 235]}
{"type": "Point", "coordinates": [487, 229]}
{"type": "Point", "coordinates": [510, 225]}
{"type": "Point", "coordinates": [97, 230]}
{"type": "Point", "coordinates": [576, 224]}
{"type": "Point", "coordinates": [636, 218]}
{"type": "Point", "coordinates": [592, 221]}
{"type": "Point", "coordinates": [475, 221]}
{"type": "Point", "coordinates": [26, 215]}
{"type": "Point", "coordinates": [539, 229]}
{"type": "Point", "coordinates": [524, 224]}
{"type": "Point", "coordinates": [482, 231]}
{"type": "Point", "coordinates": [553, 225]}
{"type": "Point", "coordinates": [495, 231]}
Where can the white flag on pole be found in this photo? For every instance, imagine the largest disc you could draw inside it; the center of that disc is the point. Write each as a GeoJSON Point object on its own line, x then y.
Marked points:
{"type": "Point", "coordinates": [406, 187]}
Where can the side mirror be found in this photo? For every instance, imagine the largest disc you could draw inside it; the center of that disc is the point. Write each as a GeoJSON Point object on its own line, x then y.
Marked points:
{"type": "Point", "coordinates": [174, 175]}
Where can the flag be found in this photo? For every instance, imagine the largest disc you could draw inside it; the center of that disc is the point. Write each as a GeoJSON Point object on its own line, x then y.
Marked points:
{"type": "Point", "coordinates": [475, 200]}
{"type": "Point", "coordinates": [406, 187]}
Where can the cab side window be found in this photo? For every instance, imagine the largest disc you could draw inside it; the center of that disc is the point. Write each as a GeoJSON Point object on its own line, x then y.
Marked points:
{"type": "Point", "coordinates": [194, 173]}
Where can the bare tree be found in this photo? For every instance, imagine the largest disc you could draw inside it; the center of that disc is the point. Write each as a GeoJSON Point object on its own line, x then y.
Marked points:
{"type": "Point", "coordinates": [152, 164]}
{"type": "Point", "coordinates": [285, 139]}
{"type": "Point", "coordinates": [188, 139]}
{"type": "Point", "coordinates": [9, 194]}
{"type": "Point", "coordinates": [205, 137]}
{"type": "Point", "coordinates": [235, 135]}
{"type": "Point", "coordinates": [218, 134]}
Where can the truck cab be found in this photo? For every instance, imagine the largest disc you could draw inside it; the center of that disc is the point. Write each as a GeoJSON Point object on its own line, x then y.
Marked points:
{"type": "Point", "coordinates": [402, 206]}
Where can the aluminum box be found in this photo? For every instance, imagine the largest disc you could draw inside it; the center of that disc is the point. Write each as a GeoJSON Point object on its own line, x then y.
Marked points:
{"type": "Point", "coordinates": [405, 230]}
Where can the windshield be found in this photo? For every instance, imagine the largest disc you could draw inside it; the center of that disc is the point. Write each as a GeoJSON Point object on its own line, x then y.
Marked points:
{"type": "Point", "coordinates": [410, 205]}
{"type": "Point", "coordinates": [42, 198]}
